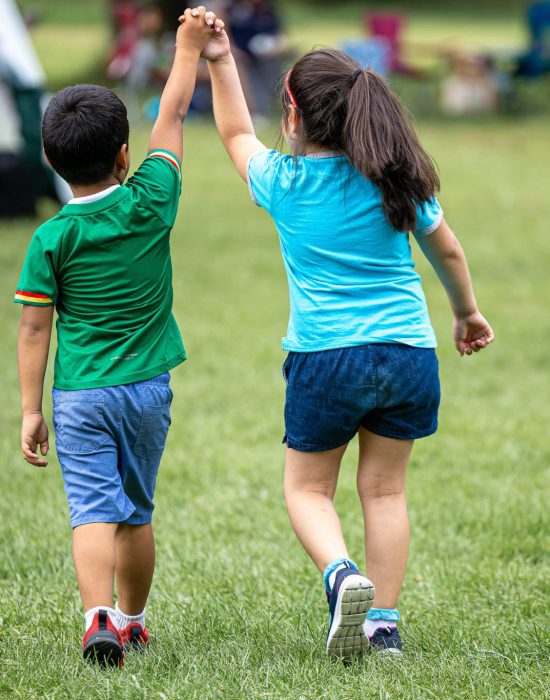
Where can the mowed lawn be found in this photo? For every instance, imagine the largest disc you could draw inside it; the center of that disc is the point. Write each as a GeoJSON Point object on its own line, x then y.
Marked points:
{"type": "Point", "coordinates": [237, 610]}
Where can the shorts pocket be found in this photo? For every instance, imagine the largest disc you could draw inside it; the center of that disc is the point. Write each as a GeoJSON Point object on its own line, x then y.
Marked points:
{"type": "Point", "coordinates": [79, 423]}
{"type": "Point", "coordinates": [153, 430]}
{"type": "Point", "coordinates": [286, 368]}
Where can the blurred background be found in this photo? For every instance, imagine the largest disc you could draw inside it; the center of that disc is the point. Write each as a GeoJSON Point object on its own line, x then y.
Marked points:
{"type": "Point", "coordinates": [458, 59]}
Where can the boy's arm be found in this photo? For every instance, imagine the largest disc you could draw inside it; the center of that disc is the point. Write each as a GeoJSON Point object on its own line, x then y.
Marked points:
{"type": "Point", "coordinates": [192, 37]}
{"type": "Point", "coordinates": [471, 331]}
{"type": "Point", "coordinates": [231, 113]}
{"type": "Point", "coordinates": [33, 345]}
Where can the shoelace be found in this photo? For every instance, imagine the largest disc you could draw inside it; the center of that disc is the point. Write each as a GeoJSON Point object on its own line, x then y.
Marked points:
{"type": "Point", "coordinates": [386, 631]}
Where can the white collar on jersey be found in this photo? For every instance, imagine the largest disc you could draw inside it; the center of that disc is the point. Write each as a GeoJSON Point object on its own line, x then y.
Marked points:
{"type": "Point", "coordinates": [93, 197]}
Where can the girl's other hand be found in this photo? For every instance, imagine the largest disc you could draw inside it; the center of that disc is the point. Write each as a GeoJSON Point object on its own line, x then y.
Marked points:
{"type": "Point", "coordinates": [472, 333]}
{"type": "Point", "coordinates": [197, 28]}
{"type": "Point", "coordinates": [218, 47]}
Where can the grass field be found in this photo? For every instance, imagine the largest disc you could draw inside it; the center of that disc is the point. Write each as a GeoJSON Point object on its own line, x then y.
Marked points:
{"type": "Point", "coordinates": [237, 610]}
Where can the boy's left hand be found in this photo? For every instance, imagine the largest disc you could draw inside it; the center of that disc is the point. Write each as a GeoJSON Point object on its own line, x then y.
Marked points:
{"type": "Point", "coordinates": [199, 28]}
{"type": "Point", "coordinates": [34, 433]}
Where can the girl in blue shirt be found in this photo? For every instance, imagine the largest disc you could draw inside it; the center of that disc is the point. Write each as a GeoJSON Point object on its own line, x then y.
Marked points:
{"type": "Point", "coordinates": [360, 344]}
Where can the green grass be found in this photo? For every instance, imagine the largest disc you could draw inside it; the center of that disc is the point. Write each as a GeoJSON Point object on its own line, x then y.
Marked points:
{"type": "Point", "coordinates": [237, 610]}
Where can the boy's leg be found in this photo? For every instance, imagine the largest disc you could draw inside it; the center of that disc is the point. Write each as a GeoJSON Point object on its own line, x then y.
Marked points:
{"type": "Point", "coordinates": [310, 484]}
{"type": "Point", "coordinates": [143, 431]}
{"type": "Point", "coordinates": [381, 484]}
{"type": "Point", "coordinates": [135, 564]}
{"type": "Point", "coordinates": [94, 562]}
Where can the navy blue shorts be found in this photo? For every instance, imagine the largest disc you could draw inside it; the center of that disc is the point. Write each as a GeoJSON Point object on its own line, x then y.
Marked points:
{"type": "Point", "coordinates": [389, 389]}
{"type": "Point", "coordinates": [109, 443]}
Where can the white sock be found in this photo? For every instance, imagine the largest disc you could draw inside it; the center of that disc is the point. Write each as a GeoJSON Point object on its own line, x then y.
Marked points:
{"type": "Point", "coordinates": [332, 577]}
{"type": "Point", "coordinates": [123, 620]}
{"type": "Point", "coordinates": [89, 615]}
{"type": "Point", "coordinates": [370, 626]}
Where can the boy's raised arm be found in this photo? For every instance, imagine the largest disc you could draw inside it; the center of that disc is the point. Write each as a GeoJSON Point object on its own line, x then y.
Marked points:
{"type": "Point", "coordinates": [192, 37]}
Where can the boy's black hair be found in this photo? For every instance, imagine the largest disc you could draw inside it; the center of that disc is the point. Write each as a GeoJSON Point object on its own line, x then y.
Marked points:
{"type": "Point", "coordinates": [83, 129]}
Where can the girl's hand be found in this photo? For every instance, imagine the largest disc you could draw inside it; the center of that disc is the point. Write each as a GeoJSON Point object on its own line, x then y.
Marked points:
{"type": "Point", "coordinates": [34, 433]}
{"type": "Point", "coordinates": [197, 28]}
{"type": "Point", "coordinates": [218, 45]}
{"type": "Point", "coordinates": [472, 333]}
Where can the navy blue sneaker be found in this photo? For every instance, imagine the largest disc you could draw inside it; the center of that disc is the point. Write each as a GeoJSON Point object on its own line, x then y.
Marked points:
{"type": "Point", "coordinates": [386, 639]}
{"type": "Point", "coordinates": [349, 601]}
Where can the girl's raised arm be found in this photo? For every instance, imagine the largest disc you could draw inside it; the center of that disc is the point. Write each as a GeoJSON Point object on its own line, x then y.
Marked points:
{"type": "Point", "coordinates": [231, 112]}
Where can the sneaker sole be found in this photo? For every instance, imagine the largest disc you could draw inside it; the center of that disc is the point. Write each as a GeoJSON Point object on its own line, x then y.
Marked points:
{"type": "Point", "coordinates": [102, 649]}
{"type": "Point", "coordinates": [346, 637]}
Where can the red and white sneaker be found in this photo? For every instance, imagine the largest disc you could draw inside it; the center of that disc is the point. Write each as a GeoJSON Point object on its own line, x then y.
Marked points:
{"type": "Point", "coordinates": [102, 642]}
{"type": "Point", "coordinates": [134, 636]}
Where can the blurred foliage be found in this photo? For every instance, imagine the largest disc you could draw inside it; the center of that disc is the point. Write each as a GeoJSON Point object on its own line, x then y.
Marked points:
{"type": "Point", "coordinates": [82, 31]}
{"type": "Point", "coordinates": [464, 5]}
{"type": "Point", "coordinates": [69, 12]}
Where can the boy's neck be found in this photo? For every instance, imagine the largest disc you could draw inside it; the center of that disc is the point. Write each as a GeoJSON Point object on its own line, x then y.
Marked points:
{"type": "Point", "coordinates": [87, 190]}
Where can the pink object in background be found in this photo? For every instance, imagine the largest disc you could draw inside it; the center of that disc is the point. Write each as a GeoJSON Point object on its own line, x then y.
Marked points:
{"type": "Point", "coordinates": [390, 26]}
{"type": "Point", "coordinates": [125, 21]}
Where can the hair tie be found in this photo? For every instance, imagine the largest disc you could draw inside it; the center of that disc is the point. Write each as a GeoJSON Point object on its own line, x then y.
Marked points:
{"type": "Point", "coordinates": [355, 76]}
{"type": "Point", "coordinates": [289, 91]}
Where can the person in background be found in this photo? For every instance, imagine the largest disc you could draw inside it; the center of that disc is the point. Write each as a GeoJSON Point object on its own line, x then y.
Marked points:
{"type": "Point", "coordinates": [256, 32]}
{"type": "Point", "coordinates": [24, 172]}
{"type": "Point", "coordinates": [147, 57]}
{"type": "Point", "coordinates": [470, 87]}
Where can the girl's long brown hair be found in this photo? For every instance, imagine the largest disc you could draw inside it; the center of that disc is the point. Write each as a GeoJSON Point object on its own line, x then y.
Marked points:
{"type": "Point", "coordinates": [345, 108]}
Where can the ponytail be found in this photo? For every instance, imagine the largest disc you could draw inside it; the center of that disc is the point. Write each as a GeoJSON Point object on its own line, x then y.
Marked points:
{"type": "Point", "coordinates": [378, 139]}
{"type": "Point", "coordinates": [353, 110]}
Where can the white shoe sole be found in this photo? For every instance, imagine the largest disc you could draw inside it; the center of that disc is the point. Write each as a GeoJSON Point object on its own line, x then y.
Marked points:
{"type": "Point", "coordinates": [346, 637]}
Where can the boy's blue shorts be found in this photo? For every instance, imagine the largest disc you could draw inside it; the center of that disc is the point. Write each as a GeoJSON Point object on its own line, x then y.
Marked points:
{"type": "Point", "coordinates": [110, 442]}
{"type": "Point", "coordinates": [390, 389]}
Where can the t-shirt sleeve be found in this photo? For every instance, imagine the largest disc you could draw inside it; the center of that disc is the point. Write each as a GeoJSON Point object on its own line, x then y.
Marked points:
{"type": "Point", "coordinates": [37, 283]}
{"type": "Point", "coordinates": [264, 171]}
{"type": "Point", "coordinates": [156, 185]}
{"type": "Point", "coordinates": [428, 217]}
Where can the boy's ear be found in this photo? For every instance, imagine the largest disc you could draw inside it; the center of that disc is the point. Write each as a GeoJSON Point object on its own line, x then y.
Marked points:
{"type": "Point", "coordinates": [123, 157]}
{"type": "Point", "coordinates": [122, 162]}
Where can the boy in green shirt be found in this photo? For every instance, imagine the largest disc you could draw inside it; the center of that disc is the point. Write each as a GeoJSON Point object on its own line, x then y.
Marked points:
{"type": "Point", "coordinates": [104, 263]}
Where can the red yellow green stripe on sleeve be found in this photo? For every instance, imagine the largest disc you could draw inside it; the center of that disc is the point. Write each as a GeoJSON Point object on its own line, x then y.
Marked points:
{"type": "Point", "coordinates": [170, 157]}
{"type": "Point", "coordinates": [32, 298]}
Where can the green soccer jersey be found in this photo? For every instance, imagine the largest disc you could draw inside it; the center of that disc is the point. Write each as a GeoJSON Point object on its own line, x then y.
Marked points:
{"type": "Point", "coordinates": [105, 265]}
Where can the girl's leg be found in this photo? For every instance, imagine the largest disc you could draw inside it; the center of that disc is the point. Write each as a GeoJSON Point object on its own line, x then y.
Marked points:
{"type": "Point", "coordinates": [94, 563]}
{"type": "Point", "coordinates": [310, 484]}
{"type": "Point", "coordinates": [381, 484]}
{"type": "Point", "coordinates": [135, 564]}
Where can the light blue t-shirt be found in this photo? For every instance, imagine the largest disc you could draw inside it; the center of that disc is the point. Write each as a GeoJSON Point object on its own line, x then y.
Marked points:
{"type": "Point", "coordinates": [350, 274]}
